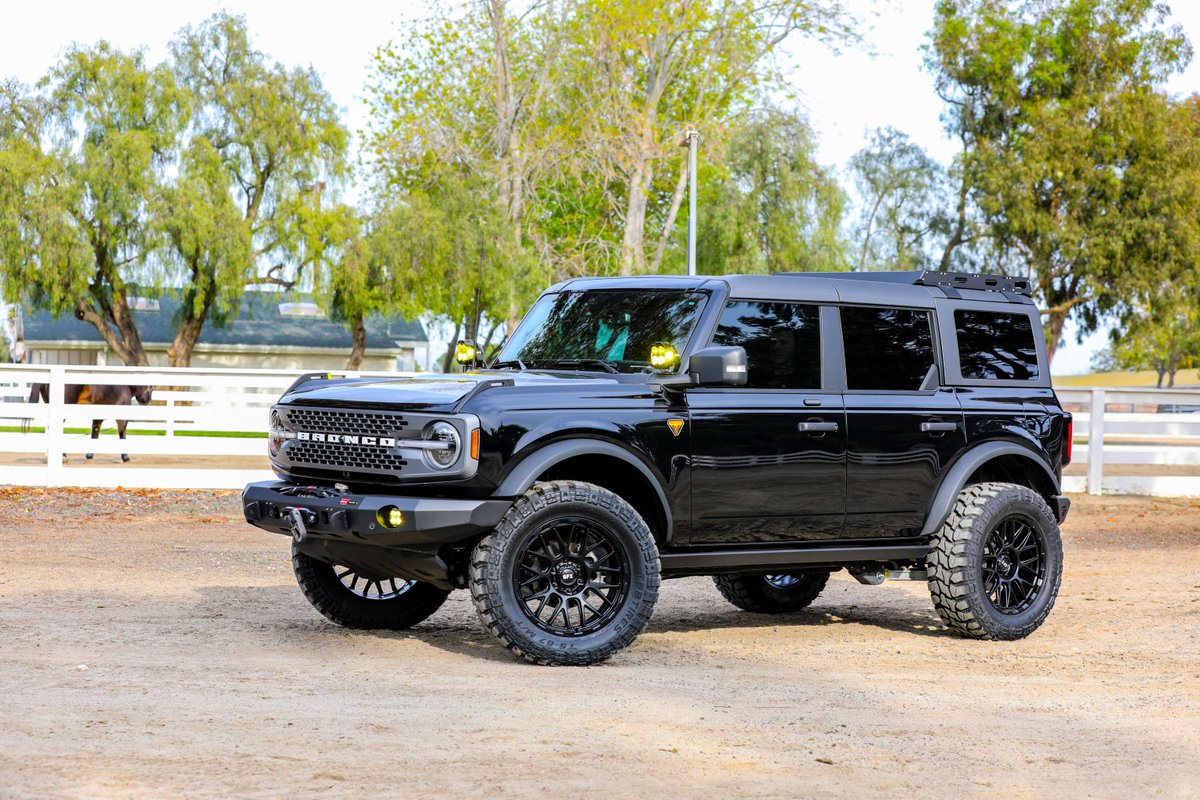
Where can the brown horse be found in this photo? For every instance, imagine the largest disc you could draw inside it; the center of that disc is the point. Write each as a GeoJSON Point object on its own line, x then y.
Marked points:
{"type": "Point", "coordinates": [76, 394]}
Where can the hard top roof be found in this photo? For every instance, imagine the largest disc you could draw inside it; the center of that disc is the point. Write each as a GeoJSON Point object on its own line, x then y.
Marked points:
{"type": "Point", "coordinates": [919, 288]}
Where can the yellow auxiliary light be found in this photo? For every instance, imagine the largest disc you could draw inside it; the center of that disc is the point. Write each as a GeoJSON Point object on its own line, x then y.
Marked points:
{"type": "Point", "coordinates": [663, 356]}
{"type": "Point", "coordinates": [464, 352]}
{"type": "Point", "coordinates": [390, 517]}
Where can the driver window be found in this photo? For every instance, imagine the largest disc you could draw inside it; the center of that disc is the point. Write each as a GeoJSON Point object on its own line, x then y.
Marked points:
{"type": "Point", "coordinates": [782, 342]}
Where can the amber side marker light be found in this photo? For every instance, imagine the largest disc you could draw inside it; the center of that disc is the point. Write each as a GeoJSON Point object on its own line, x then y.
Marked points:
{"type": "Point", "coordinates": [475, 444]}
{"type": "Point", "coordinates": [390, 517]}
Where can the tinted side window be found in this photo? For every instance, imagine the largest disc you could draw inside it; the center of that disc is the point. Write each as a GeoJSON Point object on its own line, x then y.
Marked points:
{"type": "Point", "coordinates": [994, 346]}
{"type": "Point", "coordinates": [889, 349]}
{"type": "Point", "coordinates": [782, 341]}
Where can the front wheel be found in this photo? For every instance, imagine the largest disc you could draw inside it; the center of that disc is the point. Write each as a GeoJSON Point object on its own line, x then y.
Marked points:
{"type": "Point", "coordinates": [570, 575]}
{"type": "Point", "coordinates": [354, 600]}
{"type": "Point", "coordinates": [995, 565]}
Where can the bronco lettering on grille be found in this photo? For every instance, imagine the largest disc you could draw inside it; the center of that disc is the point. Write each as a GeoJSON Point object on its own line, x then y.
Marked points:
{"type": "Point", "coordinates": [346, 438]}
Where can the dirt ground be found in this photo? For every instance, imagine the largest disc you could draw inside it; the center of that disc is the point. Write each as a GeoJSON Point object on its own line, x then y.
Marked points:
{"type": "Point", "coordinates": [153, 645]}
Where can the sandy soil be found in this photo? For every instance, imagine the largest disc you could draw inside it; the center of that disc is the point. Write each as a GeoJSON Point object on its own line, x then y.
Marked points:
{"type": "Point", "coordinates": [155, 646]}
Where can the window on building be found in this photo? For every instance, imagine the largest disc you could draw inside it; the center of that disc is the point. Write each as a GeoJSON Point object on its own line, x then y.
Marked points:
{"type": "Point", "coordinates": [887, 349]}
{"type": "Point", "coordinates": [782, 342]}
{"type": "Point", "coordinates": [996, 346]}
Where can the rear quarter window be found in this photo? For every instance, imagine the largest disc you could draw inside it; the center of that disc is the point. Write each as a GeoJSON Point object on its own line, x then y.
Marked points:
{"type": "Point", "coordinates": [996, 346]}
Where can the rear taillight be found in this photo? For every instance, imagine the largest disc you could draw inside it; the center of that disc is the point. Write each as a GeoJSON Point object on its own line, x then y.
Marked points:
{"type": "Point", "coordinates": [1070, 442]}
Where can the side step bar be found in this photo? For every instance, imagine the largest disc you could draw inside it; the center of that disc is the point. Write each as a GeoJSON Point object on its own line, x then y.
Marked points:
{"type": "Point", "coordinates": [712, 562]}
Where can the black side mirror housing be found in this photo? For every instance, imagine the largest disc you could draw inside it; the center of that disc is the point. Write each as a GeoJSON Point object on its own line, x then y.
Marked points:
{"type": "Point", "coordinates": [718, 366]}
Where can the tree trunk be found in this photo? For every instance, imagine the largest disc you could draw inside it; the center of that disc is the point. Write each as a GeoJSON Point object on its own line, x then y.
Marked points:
{"type": "Point", "coordinates": [448, 361]}
{"type": "Point", "coordinates": [358, 332]}
{"type": "Point", "coordinates": [1054, 328]}
{"type": "Point", "coordinates": [672, 214]}
{"type": "Point", "coordinates": [125, 341]}
{"type": "Point", "coordinates": [179, 354]}
{"type": "Point", "coordinates": [633, 246]}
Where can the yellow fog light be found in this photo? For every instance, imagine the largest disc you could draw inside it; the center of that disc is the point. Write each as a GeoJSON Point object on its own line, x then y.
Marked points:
{"type": "Point", "coordinates": [390, 517]}
{"type": "Point", "coordinates": [663, 356]}
{"type": "Point", "coordinates": [464, 352]}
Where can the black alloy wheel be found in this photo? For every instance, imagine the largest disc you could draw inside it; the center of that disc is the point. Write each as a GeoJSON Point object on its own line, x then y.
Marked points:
{"type": "Point", "coordinates": [1014, 565]}
{"type": "Point", "coordinates": [571, 576]}
{"type": "Point", "coordinates": [353, 599]}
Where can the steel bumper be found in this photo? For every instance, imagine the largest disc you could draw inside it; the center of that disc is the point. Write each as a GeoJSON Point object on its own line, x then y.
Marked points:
{"type": "Point", "coordinates": [323, 513]}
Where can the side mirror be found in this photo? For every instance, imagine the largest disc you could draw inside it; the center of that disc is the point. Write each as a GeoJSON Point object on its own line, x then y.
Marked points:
{"type": "Point", "coordinates": [718, 366]}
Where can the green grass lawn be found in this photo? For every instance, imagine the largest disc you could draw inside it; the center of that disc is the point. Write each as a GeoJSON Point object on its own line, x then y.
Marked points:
{"type": "Point", "coordinates": [134, 432]}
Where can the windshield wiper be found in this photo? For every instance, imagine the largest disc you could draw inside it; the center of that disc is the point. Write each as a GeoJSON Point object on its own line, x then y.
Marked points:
{"type": "Point", "coordinates": [516, 362]}
{"type": "Point", "coordinates": [586, 362]}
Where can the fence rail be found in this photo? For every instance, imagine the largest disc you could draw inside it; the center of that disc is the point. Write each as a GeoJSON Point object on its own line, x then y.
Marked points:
{"type": "Point", "coordinates": [1150, 438]}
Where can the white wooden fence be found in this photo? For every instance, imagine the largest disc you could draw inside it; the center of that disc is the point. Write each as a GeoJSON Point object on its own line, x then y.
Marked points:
{"type": "Point", "coordinates": [194, 413]}
{"type": "Point", "coordinates": [1152, 431]}
{"type": "Point", "coordinates": [219, 418]}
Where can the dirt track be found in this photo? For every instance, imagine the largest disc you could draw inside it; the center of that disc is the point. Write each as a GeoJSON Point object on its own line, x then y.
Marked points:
{"type": "Point", "coordinates": [154, 645]}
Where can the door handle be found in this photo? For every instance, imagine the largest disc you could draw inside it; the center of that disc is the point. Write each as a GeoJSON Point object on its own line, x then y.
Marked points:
{"type": "Point", "coordinates": [817, 427]}
{"type": "Point", "coordinates": [939, 427]}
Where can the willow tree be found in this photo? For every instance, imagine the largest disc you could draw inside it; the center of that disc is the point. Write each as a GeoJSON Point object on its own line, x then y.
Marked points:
{"type": "Point", "coordinates": [281, 150]}
{"type": "Point", "coordinates": [81, 183]}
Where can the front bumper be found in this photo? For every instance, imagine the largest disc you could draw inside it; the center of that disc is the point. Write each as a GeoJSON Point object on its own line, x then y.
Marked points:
{"type": "Point", "coordinates": [1062, 506]}
{"type": "Point", "coordinates": [342, 516]}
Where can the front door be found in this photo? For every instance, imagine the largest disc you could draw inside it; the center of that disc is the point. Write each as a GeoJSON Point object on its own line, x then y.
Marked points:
{"type": "Point", "coordinates": [769, 458]}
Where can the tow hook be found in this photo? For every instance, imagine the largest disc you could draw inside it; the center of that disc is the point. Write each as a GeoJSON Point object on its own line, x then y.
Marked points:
{"type": "Point", "coordinates": [296, 519]}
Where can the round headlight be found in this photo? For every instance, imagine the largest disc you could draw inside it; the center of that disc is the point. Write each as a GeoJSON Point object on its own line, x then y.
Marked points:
{"type": "Point", "coordinates": [444, 457]}
{"type": "Point", "coordinates": [276, 437]}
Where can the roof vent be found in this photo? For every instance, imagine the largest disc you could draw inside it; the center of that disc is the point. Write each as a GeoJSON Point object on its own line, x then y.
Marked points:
{"type": "Point", "coordinates": [299, 310]}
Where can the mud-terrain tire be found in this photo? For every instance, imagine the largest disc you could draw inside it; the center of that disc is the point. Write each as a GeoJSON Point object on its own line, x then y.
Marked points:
{"type": "Point", "coordinates": [995, 565]}
{"type": "Point", "coordinates": [395, 609]}
{"type": "Point", "coordinates": [772, 594]}
{"type": "Point", "coordinates": [569, 576]}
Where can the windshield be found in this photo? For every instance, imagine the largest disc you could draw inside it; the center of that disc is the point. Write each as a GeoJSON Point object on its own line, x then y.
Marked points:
{"type": "Point", "coordinates": [602, 327]}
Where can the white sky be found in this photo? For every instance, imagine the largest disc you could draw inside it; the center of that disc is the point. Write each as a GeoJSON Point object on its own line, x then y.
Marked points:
{"type": "Point", "coordinates": [845, 94]}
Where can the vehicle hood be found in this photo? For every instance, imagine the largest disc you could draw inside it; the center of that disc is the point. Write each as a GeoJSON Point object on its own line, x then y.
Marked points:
{"type": "Point", "coordinates": [442, 392]}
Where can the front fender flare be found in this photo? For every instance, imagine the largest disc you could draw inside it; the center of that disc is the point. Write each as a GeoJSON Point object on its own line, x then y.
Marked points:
{"type": "Point", "coordinates": [956, 477]}
{"type": "Point", "coordinates": [523, 475]}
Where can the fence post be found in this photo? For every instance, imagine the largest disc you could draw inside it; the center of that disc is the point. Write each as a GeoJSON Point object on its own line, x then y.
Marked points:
{"type": "Point", "coordinates": [1095, 465]}
{"type": "Point", "coordinates": [55, 435]}
{"type": "Point", "coordinates": [170, 427]}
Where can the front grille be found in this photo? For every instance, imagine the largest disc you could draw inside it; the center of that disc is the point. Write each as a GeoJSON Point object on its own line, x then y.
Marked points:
{"type": "Point", "coordinates": [346, 456]}
{"type": "Point", "coordinates": [365, 423]}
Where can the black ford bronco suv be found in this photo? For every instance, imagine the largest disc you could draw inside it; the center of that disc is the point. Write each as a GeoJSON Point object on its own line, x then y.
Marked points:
{"type": "Point", "coordinates": [765, 430]}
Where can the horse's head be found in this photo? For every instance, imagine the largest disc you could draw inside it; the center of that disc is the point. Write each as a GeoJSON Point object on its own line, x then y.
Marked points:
{"type": "Point", "coordinates": [141, 394]}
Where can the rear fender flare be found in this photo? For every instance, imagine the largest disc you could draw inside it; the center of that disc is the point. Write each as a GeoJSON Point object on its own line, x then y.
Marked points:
{"type": "Point", "coordinates": [956, 477]}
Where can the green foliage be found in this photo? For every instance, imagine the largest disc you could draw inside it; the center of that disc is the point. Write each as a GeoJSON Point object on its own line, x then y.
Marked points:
{"type": "Point", "coordinates": [902, 189]}
{"type": "Point", "coordinates": [770, 206]}
{"type": "Point", "coordinates": [1057, 106]}
{"type": "Point", "coordinates": [80, 175]}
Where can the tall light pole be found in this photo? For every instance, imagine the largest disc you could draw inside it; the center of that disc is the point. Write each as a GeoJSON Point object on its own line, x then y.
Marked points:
{"type": "Point", "coordinates": [692, 142]}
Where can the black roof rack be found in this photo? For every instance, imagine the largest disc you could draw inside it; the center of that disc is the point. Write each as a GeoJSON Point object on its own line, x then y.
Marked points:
{"type": "Point", "coordinates": [928, 277]}
{"type": "Point", "coordinates": [986, 283]}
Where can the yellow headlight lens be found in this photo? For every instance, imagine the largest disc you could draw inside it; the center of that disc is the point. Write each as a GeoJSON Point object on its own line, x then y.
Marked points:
{"type": "Point", "coordinates": [464, 353]}
{"type": "Point", "coordinates": [663, 356]}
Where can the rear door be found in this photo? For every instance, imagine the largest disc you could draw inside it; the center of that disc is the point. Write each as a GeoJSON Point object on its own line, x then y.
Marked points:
{"type": "Point", "coordinates": [904, 427]}
{"type": "Point", "coordinates": [769, 458]}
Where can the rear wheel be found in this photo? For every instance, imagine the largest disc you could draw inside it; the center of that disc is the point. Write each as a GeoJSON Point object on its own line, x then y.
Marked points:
{"type": "Point", "coordinates": [772, 594]}
{"type": "Point", "coordinates": [570, 575]}
{"type": "Point", "coordinates": [355, 600]}
{"type": "Point", "coordinates": [995, 565]}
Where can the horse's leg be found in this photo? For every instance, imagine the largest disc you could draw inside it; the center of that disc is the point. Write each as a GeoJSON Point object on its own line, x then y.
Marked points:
{"type": "Point", "coordinates": [95, 435]}
{"type": "Point", "coordinates": [121, 432]}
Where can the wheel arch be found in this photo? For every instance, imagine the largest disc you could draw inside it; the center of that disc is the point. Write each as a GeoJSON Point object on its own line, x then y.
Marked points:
{"type": "Point", "coordinates": [600, 462]}
{"type": "Point", "coordinates": [1004, 462]}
